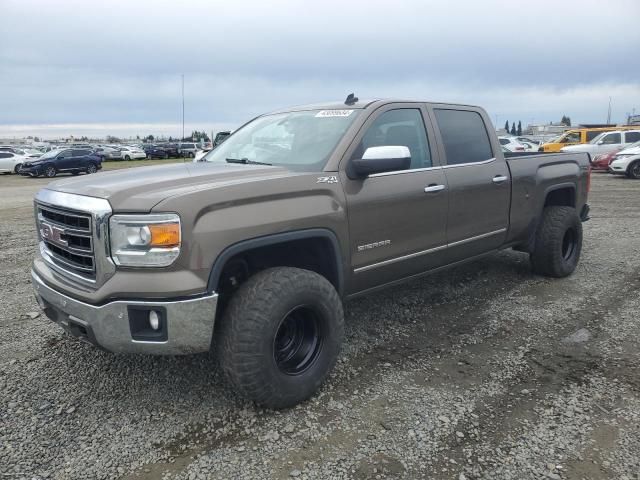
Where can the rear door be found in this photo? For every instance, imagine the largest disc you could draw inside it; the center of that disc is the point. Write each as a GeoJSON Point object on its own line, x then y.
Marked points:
{"type": "Point", "coordinates": [479, 183]}
{"type": "Point", "coordinates": [6, 161]}
{"type": "Point", "coordinates": [395, 226]}
{"type": "Point", "coordinates": [64, 160]}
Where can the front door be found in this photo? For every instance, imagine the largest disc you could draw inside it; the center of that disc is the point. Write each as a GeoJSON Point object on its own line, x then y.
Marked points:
{"type": "Point", "coordinates": [397, 220]}
{"type": "Point", "coordinates": [479, 184]}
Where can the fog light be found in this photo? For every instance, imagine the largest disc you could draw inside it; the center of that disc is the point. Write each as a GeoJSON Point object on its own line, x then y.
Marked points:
{"type": "Point", "coordinates": [154, 320]}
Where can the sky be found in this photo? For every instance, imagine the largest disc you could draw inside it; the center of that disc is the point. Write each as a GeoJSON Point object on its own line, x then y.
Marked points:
{"type": "Point", "coordinates": [114, 67]}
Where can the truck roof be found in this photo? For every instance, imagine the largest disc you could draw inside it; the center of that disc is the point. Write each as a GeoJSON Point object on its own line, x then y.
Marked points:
{"type": "Point", "coordinates": [360, 104]}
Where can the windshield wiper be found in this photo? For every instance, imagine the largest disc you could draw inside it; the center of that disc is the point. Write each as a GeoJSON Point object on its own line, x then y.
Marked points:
{"type": "Point", "coordinates": [245, 161]}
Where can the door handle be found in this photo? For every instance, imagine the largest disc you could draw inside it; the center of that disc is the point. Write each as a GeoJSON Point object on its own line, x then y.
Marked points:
{"type": "Point", "coordinates": [433, 188]}
{"type": "Point", "coordinates": [500, 179]}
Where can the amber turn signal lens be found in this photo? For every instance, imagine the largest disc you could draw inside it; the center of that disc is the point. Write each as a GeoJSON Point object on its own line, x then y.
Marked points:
{"type": "Point", "coordinates": [165, 235]}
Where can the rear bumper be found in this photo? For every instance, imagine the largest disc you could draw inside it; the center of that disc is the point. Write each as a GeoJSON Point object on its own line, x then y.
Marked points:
{"type": "Point", "coordinates": [186, 326]}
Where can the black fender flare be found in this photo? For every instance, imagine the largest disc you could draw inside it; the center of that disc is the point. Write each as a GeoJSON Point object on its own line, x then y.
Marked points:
{"type": "Point", "coordinates": [273, 239]}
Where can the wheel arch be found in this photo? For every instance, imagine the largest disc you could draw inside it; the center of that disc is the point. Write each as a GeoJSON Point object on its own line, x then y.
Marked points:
{"type": "Point", "coordinates": [561, 195]}
{"type": "Point", "coordinates": [330, 268]}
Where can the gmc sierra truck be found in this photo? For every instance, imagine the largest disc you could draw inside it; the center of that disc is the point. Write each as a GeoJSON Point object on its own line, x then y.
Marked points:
{"type": "Point", "coordinates": [252, 252]}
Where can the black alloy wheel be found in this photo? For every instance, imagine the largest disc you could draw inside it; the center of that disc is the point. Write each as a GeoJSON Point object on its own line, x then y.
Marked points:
{"type": "Point", "coordinates": [298, 341]}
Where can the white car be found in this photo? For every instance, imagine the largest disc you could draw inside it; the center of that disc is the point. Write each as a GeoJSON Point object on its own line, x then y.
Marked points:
{"type": "Point", "coordinates": [606, 142]}
{"type": "Point", "coordinates": [513, 145]}
{"type": "Point", "coordinates": [627, 162]}
{"type": "Point", "coordinates": [132, 153]}
{"type": "Point", "coordinates": [11, 162]}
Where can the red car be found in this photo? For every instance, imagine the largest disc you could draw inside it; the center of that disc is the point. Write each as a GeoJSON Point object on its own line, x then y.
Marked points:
{"type": "Point", "coordinates": [601, 162]}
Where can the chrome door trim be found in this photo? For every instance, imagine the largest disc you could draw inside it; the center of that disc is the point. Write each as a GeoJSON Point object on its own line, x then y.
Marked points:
{"type": "Point", "coordinates": [456, 165]}
{"type": "Point", "coordinates": [400, 172]}
{"type": "Point", "coordinates": [477, 237]}
{"type": "Point", "coordinates": [399, 259]}
{"type": "Point", "coordinates": [428, 251]}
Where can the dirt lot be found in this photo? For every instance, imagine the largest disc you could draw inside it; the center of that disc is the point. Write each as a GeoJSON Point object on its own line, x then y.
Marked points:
{"type": "Point", "coordinates": [484, 371]}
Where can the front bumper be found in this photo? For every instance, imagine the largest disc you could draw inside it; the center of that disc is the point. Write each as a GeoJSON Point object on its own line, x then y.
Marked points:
{"type": "Point", "coordinates": [186, 325]}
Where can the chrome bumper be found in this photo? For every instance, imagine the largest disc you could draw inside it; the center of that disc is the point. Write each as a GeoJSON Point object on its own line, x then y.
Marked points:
{"type": "Point", "coordinates": [188, 323]}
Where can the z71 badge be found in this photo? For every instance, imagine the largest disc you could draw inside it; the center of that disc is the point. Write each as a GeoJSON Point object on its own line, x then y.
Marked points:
{"type": "Point", "coordinates": [331, 179]}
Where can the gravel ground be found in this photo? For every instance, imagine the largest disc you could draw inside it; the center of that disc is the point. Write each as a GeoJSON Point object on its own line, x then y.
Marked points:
{"type": "Point", "coordinates": [484, 371]}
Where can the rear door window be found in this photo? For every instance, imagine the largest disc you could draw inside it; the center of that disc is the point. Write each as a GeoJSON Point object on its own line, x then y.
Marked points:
{"type": "Point", "coordinates": [632, 137]}
{"type": "Point", "coordinates": [6, 155]}
{"type": "Point", "coordinates": [464, 136]}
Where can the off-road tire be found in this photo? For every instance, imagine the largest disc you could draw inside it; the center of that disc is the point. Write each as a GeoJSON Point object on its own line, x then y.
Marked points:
{"type": "Point", "coordinates": [558, 242]}
{"type": "Point", "coordinates": [50, 171]}
{"type": "Point", "coordinates": [246, 335]}
{"type": "Point", "coordinates": [633, 170]}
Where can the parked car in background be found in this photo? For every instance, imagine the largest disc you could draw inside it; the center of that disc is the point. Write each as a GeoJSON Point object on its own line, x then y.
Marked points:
{"type": "Point", "coordinates": [606, 142]}
{"type": "Point", "coordinates": [11, 162]}
{"type": "Point", "coordinates": [528, 140]}
{"type": "Point", "coordinates": [28, 152]}
{"type": "Point", "coordinates": [627, 162]}
{"type": "Point", "coordinates": [511, 144]}
{"type": "Point", "coordinates": [577, 136]}
{"type": "Point", "coordinates": [601, 162]}
{"type": "Point", "coordinates": [108, 153]}
{"type": "Point", "coordinates": [154, 151]}
{"type": "Point", "coordinates": [132, 153]}
{"type": "Point", "coordinates": [69, 160]}
{"type": "Point", "coordinates": [188, 150]}
{"type": "Point", "coordinates": [171, 149]}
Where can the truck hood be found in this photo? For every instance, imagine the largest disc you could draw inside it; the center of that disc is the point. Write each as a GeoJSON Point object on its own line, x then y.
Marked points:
{"type": "Point", "coordinates": [139, 189]}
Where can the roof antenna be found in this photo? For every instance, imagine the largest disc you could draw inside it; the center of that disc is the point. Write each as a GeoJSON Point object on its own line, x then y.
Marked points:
{"type": "Point", "coordinates": [351, 99]}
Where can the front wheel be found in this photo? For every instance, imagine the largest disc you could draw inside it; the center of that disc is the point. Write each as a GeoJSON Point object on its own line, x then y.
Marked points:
{"type": "Point", "coordinates": [127, 158]}
{"type": "Point", "coordinates": [634, 170]}
{"type": "Point", "coordinates": [17, 168]}
{"type": "Point", "coordinates": [50, 171]}
{"type": "Point", "coordinates": [280, 336]}
{"type": "Point", "coordinates": [558, 242]}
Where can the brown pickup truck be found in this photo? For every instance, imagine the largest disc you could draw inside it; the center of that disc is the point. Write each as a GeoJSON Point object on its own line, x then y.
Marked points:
{"type": "Point", "coordinates": [252, 251]}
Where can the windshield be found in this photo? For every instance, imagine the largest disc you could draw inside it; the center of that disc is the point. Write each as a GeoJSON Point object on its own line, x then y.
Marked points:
{"type": "Point", "coordinates": [50, 154]}
{"type": "Point", "coordinates": [299, 141]}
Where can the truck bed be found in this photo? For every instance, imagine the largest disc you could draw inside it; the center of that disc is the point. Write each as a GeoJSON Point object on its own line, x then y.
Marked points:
{"type": "Point", "coordinates": [533, 177]}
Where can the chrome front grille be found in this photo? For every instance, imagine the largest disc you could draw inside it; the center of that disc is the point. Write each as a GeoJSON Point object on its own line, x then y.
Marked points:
{"type": "Point", "coordinates": [68, 239]}
{"type": "Point", "coordinates": [73, 234]}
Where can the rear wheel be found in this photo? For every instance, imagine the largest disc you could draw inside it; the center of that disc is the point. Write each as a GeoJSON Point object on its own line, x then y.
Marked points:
{"type": "Point", "coordinates": [92, 168]}
{"type": "Point", "coordinates": [634, 170]}
{"type": "Point", "coordinates": [17, 168]}
{"type": "Point", "coordinates": [50, 171]}
{"type": "Point", "coordinates": [558, 242]}
{"type": "Point", "coordinates": [280, 336]}
{"type": "Point", "coordinates": [127, 158]}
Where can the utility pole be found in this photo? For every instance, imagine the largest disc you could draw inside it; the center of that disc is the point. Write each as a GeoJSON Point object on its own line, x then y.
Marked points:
{"type": "Point", "coordinates": [609, 112]}
{"type": "Point", "coordinates": [182, 138]}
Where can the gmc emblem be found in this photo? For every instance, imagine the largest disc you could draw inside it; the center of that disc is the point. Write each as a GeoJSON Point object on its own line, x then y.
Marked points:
{"type": "Point", "coordinates": [52, 234]}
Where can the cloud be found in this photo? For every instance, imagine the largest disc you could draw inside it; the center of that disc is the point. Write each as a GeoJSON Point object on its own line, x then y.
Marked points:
{"type": "Point", "coordinates": [119, 62]}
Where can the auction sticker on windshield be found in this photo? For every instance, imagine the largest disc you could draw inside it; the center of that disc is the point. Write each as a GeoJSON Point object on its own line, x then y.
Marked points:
{"type": "Point", "coordinates": [334, 113]}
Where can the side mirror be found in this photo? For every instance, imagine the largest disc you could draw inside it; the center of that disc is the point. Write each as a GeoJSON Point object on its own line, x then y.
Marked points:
{"type": "Point", "coordinates": [381, 159]}
{"type": "Point", "coordinates": [600, 142]}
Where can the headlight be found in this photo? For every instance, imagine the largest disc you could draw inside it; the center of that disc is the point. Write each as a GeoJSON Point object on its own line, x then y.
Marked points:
{"type": "Point", "coordinates": [145, 240]}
